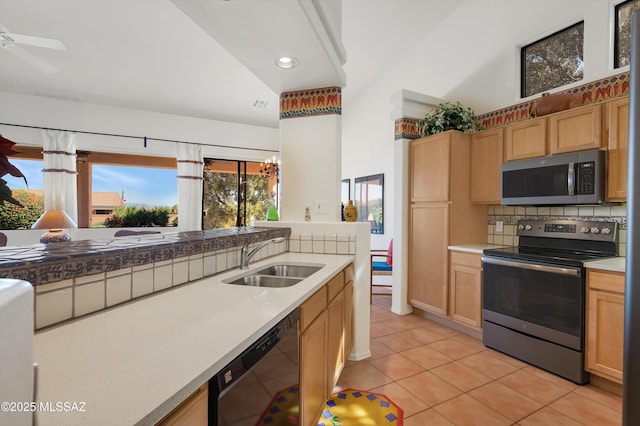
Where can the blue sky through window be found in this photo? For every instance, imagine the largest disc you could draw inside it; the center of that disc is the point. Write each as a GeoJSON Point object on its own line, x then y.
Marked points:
{"type": "Point", "coordinates": [142, 185]}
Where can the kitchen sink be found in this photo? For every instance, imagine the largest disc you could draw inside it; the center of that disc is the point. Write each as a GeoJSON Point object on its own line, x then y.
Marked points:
{"type": "Point", "coordinates": [277, 275]}
{"type": "Point", "coordinates": [264, 281]}
{"type": "Point", "coordinates": [290, 270]}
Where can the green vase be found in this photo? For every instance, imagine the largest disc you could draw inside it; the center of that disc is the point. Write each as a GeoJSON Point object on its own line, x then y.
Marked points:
{"type": "Point", "coordinates": [272, 212]}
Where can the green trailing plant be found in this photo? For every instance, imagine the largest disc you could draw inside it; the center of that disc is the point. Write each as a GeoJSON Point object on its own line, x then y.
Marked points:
{"type": "Point", "coordinates": [450, 116]}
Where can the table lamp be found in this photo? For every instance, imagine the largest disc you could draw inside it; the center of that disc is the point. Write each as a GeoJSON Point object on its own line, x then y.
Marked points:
{"type": "Point", "coordinates": [54, 221]}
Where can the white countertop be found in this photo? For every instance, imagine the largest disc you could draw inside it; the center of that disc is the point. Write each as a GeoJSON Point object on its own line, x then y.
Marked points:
{"type": "Point", "coordinates": [134, 363]}
{"type": "Point", "coordinates": [614, 264]}
{"type": "Point", "coordinates": [475, 248]}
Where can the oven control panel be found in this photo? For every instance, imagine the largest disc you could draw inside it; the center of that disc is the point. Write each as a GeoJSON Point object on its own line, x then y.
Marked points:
{"type": "Point", "coordinates": [573, 229]}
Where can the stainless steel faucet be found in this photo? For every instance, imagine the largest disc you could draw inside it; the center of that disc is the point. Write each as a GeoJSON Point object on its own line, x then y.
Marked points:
{"type": "Point", "coordinates": [246, 255]}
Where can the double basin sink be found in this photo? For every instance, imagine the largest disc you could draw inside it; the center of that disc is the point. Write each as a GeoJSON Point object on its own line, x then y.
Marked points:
{"type": "Point", "coordinates": [276, 275]}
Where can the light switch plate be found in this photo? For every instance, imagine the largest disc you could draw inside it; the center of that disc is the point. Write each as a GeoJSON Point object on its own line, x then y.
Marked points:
{"type": "Point", "coordinates": [499, 225]}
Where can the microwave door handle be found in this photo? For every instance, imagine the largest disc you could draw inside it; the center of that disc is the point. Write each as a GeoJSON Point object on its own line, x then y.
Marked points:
{"type": "Point", "coordinates": [571, 179]}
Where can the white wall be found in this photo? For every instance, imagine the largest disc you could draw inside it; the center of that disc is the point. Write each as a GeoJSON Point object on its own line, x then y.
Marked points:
{"type": "Point", "coordinates": [61, 114]}
{"type": "Point", "coordinates": [471, 57]}
{"type": "Point", "coordinates": [311, 152]}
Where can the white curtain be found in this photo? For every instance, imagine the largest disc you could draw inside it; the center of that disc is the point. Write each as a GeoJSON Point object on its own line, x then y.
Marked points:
{"type": "Point", "coordinates": [60, 176]}
{"type": "Point", "coordinates": [190, 171]}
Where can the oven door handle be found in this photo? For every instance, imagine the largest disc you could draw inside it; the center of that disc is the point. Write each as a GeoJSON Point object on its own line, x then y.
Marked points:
{"type": "Point", "coordinates": [575, 272]}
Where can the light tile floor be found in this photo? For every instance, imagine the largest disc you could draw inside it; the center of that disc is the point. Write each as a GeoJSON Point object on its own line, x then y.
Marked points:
{"type": "Point", "coordinates": [440, 376]}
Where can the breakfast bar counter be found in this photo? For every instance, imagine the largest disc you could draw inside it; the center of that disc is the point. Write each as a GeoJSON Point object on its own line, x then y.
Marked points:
{"type": "Point", "coordinates": [134, 363]}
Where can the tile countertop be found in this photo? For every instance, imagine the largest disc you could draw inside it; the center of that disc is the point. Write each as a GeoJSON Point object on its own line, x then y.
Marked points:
{"type": "Point", "coordinates": [613, 264]}
{"type": "Point", "coordinates": [475, 248]}
{"type": "Point", "coordinates": [134, 363]}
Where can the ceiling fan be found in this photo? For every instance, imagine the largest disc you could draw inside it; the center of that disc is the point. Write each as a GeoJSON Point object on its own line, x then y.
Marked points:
{"type": "Point", "coordinates": [13, 43]}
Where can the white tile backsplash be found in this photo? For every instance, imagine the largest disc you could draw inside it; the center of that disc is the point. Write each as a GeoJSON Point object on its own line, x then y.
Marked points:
{"type": "Point", "coordinates": [43, 288]}
{"type": "Point", "coordinates": [142, 282]}
{"type": "Point", "coordinates": [196, 267]}
{"type": "Point", "coordinates": [89, 298]}
{"type": "Point", "coordinates": [54, 307]}
{"type": "Point", "coordinates": [209, 264]}
{"type": "Point", "coordinates": [118, 289]}
{"type": "Point", "coordinates": [180, 272]}
{"type": "Point", "coordinates": [162, 275]}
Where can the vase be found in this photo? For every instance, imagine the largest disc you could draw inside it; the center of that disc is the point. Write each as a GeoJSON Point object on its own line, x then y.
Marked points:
{"type": "Point", "coordinates": [350, 212]}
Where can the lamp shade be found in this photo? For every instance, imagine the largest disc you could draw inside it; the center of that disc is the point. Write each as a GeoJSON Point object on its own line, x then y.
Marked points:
{"type": "Point", "coordinates": [54, 221]}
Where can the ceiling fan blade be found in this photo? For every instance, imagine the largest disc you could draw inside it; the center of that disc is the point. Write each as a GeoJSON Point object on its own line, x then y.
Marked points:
{"type": "Point", "coordinates": [47, 43]}
{"type": "Point", "coordinates": [32, 59]}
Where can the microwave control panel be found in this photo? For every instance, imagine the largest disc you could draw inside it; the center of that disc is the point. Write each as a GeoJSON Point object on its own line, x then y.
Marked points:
{"type": "Point", "coordinates": [586, 178]}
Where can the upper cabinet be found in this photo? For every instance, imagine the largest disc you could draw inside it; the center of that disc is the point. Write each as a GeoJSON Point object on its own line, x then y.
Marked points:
{"type": "Point", "coordinates": [526, 139]}
{"type": "Point", "coordinates": [576, 129]}
{"type": "Point", "coordinates": [487, 149]}
{"type": "Point", "coordinates": [429, 164]}
{"type": "Point", "coordinates": [618, 126]}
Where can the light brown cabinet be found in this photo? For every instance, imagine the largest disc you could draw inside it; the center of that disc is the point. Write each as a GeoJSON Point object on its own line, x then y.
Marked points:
{"type": "Point", "coordinates": [527, 139]}
{"type": "Point", "coordinates": [429, 163]}
{"type": "Point", "coordinates": [326, 339]}
{"type": "Point", "coordinates": [605, 324]}
{"type": "Point", "coordinates": [487, 149]}
{"type": "Point", "coordinates": [192, 412]}
{"type": "Point", "coordinates": [466, 289]}
{"type": "Point", "coordinates": [428, 279]}
{"type": "Point", "coordinates": [618, 145]}
{"type": "Point", "coordinates": [313, 368]}
{"type": "Point", "coordinates": [577, 129]}
{"type": "Point", "coordinates": [441, 214]}
{"type": "Point", "coordinates": [349, 277]}
{"type": "Point", "coordinates": [336, 312]}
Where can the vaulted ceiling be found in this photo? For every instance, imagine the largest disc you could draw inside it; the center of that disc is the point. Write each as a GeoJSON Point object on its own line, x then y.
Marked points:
{"type": "Point", "coordinates": [210, 59]}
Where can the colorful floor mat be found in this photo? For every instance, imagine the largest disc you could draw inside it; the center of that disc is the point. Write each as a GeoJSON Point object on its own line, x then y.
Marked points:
{"type": "Point", "coordinates": [349, 407]}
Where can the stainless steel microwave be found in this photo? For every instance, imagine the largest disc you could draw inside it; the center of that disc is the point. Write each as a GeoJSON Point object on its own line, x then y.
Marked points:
{"type": "Point", "coordinates": [572, 178]}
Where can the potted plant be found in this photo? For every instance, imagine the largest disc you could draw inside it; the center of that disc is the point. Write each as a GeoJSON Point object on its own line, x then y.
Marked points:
{"type": "Point", "coordinates": [450, 116]}
{"type": "Point", "coordinates": [6, 167]}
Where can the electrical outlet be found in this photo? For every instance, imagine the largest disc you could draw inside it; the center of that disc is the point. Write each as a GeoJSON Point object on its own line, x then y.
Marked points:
{"type": "Point", "coordinates": [499, 226]}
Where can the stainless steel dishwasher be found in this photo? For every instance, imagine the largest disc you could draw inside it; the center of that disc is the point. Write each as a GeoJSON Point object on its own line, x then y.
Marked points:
{"type": "Point", "coordinates": [240, 393]}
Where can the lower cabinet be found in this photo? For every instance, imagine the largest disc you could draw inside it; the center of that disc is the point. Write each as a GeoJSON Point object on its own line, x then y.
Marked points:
{"type": "Point", "coordinates": [192, 412]}
{"type": "Point", "coordinates": [605, 324]}
{"type": "Point", "coordinates": [465, 288]}
{"type": "Point", "coordinates": [326, 339]}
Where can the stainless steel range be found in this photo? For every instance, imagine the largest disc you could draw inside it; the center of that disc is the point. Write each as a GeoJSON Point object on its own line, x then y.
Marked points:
{"type": "Point", "coordinates": [533, 295]}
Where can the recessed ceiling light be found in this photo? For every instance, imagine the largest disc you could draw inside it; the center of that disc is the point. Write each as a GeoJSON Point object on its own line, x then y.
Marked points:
{"type": "Point", "coordinates": [286, 62]}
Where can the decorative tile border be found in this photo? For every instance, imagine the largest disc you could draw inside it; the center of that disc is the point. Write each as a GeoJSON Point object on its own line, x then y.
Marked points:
{"type": "Point", "coordinates": [40, 264]}
{"type": "Point", "coordinates": [407, 128]}
{"type": "Point", "coordinates": [304, 103]}
{"type": "Point", "coordinates": [597, 91]}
